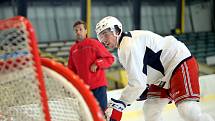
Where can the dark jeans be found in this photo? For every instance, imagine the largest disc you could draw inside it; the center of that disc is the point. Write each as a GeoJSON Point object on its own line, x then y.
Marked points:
{"type": "Point", "coordinates": [101, 96]}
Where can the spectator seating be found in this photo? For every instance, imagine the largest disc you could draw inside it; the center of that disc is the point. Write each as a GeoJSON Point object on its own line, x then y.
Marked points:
{"type": "Point", "coordinates": [201, 44]}
{"type": "Point", "coordinates": [58, 50]}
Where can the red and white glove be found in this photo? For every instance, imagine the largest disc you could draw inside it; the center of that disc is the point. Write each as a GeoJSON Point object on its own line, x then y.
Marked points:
{"type": "Point", "coordinates": [114, 110]}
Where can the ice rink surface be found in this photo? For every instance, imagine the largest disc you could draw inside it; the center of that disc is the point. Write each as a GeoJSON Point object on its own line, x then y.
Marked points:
{"type": "Point", "coordinates": [170, 112]}
{"type": "Point", "coordinates": [135, 111]}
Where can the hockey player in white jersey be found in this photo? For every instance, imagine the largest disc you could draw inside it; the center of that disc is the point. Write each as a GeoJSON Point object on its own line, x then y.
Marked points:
{"type": "Point", "coordinates": [164, 63]}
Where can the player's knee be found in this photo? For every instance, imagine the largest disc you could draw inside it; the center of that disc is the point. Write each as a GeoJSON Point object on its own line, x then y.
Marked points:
{"type": "Point", "coordinates": [191, 111]}
{"type": "Point", "coordinates": [153, 109]}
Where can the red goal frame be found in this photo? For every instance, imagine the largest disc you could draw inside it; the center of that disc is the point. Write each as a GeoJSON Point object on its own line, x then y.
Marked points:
{"type": "Point", "coordinates": [91, 102]}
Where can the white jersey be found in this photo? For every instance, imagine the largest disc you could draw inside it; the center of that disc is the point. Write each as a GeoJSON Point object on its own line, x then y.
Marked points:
{"type": "Point", "coordinates": [148, 59]}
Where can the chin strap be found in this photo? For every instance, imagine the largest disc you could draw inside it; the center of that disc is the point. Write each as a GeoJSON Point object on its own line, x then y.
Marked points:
{"type": "Point", "coordinates": [117, 38]}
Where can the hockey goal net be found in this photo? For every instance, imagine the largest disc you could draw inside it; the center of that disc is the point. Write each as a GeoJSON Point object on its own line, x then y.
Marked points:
{"type": "Point", "coordinates": [31, 91]}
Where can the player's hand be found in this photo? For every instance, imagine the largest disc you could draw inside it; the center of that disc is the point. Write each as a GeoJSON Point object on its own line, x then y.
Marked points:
{"type": "Point", "coordinates": [93, 67]}
{"type": "Point", "coordinates": [114, 110]}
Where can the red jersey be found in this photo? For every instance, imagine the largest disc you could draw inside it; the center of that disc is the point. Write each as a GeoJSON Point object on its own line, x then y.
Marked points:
{"type": "Point", "coordinates": [85, 53]}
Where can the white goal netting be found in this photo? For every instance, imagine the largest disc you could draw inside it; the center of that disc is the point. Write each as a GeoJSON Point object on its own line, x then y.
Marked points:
{"type": "Point", "coordinates": [32, 92]}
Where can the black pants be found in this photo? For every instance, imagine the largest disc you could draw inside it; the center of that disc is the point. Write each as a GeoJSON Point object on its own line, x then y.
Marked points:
{"type": "Point", "coordinates": [101, 96]}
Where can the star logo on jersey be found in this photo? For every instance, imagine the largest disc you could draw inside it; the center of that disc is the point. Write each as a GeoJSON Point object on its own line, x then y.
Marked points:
{"type": "Point", "coordinates": [152, 59]}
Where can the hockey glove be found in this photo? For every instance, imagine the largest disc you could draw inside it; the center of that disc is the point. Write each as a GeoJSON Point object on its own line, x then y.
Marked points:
{"type": "Point", "coordinates": [114, 110]}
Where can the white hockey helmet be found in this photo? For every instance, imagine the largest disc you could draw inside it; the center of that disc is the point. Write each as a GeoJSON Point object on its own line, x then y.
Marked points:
{"type": "Point", "coordinates": [108, 22]}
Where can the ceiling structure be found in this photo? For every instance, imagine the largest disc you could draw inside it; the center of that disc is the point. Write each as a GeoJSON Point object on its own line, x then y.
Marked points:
{"type": "Point", "coordinates": [108, 2]}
